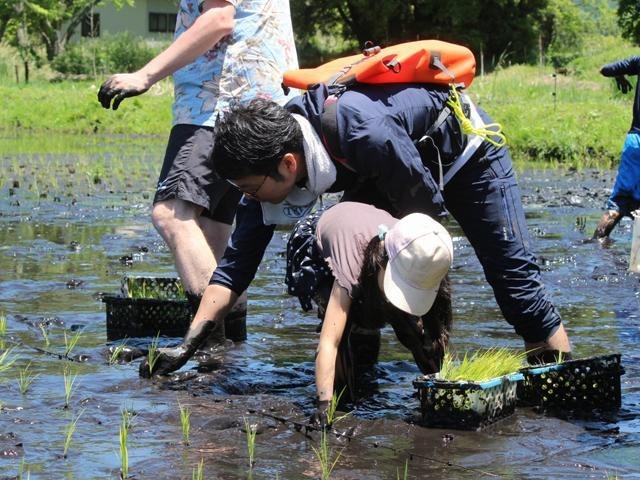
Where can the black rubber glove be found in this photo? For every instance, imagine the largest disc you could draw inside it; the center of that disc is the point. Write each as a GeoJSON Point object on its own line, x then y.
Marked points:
{"type": "Point", "coordinates": [319, 419]}
{"type": "Point", "coordinates": [109, 91]}
{"type": "Point", "coordinates": [170, 359]}
{"type": "Point", "coordinates": [623, 84]}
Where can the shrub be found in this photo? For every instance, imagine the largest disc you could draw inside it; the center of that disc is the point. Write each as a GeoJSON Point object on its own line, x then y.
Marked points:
{"type": "Point", "coordinates": [122, 52]}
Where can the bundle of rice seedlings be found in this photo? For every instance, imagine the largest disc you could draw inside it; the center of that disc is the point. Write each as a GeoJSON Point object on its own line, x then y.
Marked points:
{"type": "Point", "coordinates": [481, 365]}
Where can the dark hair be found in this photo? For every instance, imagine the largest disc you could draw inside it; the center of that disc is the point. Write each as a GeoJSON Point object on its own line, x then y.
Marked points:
{"type": "Point", "coordinates": [375, 312]}
{"type": "Point", "coordinates": [252, 139]}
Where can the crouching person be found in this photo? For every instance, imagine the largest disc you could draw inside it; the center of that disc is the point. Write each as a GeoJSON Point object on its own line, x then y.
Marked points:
{"type": "Point", "coordinates": [364, 269]}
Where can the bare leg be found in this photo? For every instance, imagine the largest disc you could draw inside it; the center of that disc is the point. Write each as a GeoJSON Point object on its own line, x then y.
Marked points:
{"type": "Point", "coordinates": [177, 222]}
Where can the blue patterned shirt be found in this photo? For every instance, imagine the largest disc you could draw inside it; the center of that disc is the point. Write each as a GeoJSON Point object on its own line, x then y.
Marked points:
{"type": "Point", "coordinates": [242, 66]}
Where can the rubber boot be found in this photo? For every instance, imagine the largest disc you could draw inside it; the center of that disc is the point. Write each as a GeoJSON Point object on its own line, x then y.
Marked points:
{"type": "Point", "coordinates": [608, 221]}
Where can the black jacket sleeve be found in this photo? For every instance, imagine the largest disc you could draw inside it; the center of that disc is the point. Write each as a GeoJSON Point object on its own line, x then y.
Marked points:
{"type": "Point", "coordinates": [628, 66]}
{"type": "Point", "coordinates": [246, 248]}
{"type": "Point", "coordinates": [381, 150]}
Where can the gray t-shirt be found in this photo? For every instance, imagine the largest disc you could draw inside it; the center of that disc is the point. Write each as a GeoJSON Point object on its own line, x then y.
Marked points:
{"type": "Point", "coordinates": [343, 233]}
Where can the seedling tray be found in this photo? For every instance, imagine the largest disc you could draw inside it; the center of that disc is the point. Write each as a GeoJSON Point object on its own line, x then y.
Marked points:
{"type": "Point", "coordinates": [465, 405]}
{"type": "Point", "coordinates": [580, 387]}
{"type": "Point", "coordinates": [163, 311]}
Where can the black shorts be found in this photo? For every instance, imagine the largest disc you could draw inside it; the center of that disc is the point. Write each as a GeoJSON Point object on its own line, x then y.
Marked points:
{"type": "Point", "coordinates": [188, 174]}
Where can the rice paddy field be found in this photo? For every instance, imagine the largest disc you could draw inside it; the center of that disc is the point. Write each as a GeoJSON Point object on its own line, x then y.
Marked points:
{"type": "Point", "coordinates": [74, 219]}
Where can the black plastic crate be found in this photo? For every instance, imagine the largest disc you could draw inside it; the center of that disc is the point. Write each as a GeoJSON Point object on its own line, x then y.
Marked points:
{"type": "Point", "coordinates": [465, 405]}
{"type": "Point", "coordinates": [165, 312]}
{"type": "Point", "coordinates": [579, 386]}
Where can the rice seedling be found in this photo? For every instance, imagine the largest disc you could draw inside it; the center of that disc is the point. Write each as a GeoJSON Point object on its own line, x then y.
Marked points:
{"type": "Point", "coordinates": [70, 343]}
{"type": "Point", "coordinates": [69, 382]}
{"type": "Point", "coordinates": [128, 416]}
{"type": "Point", "coordinates": [406, 471]}
{"type": "Point", "coordinates": [325, 455]}
{"type": "Point", "coordinates": [152, 356]}
{"type": "Point", "coordinates": [115, 354]}
{"type": "Point", "coordinates": [45, 335]}
{"type": "Point", "coordinates": [25, 379]}
{"type": "Point", "coordinates": [333, 407]}
{"type": "Point", "coordinates": [3, 325]}
{"type": "Point", "coordinates": [21, 469]}
{"type": "Point", "coordinates": [5, 361]}
{"type": "Point", "coordinates": [251, 431]}
{"type": "Point", "coordinates": [198, 471]}
{"type": "Point", "coordinates": [481, 365]}
{"type": "Point", "coordinates": [69, 429]}
{"type": "Point", "coordinates": [185, 422]}
{"type": "Point", "coordinates": [124, 452]}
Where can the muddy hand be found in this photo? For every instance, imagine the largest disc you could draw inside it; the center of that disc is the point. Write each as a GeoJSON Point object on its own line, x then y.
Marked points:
{"type": "Point", "coordinates": [121, 86]}
{"type": "Point", "coordinates": [320, 420]}
{"type": "Point", "coordinates": [169, 359]}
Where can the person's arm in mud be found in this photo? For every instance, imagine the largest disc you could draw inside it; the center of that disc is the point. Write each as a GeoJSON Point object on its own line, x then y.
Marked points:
{"type": "Point", "coordinates": [618, 70]}
{"type": "Point", "coordinates": [333, 326]}
{"type": "Point", "coordinates": [233, 275]}
{"type": "Point", "coordinates": [382, 150]}
{"type": "Point", "coordinates": [215, 22]}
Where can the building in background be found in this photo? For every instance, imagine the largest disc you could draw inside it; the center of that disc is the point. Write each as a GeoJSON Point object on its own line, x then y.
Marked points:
{"type": "Point", "coordinates": [152, 19]}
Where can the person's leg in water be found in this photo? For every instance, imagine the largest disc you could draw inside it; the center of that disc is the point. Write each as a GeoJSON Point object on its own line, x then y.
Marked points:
{"type": "Point", "coordinates": [193, 210]}
{"type": "Point", "coordinates": [485, 200]}
{"type": "Point", "coordinates": [625, 196]}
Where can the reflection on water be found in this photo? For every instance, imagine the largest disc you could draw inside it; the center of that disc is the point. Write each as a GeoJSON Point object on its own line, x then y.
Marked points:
{"type": "Point", "coordinates": [63, 233]}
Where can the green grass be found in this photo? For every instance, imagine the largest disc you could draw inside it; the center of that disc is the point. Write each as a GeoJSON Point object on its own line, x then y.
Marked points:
{"type": "Point", "coordinates": [481, 365]}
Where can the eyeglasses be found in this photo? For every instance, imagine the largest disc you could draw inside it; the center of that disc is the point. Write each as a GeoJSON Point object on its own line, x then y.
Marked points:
{"type": "Point", "coordinates": [248, 193]}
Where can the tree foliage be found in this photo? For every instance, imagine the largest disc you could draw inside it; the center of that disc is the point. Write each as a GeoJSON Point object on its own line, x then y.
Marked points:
{"type": "Point", "coordinates": [629, 19]}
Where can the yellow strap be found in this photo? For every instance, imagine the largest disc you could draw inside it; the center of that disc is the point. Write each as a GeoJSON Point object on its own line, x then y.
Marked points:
{"type": "Point", "coordinates": [485, 131]}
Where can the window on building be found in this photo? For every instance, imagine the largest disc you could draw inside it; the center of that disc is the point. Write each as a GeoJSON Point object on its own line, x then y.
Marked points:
{"type": "Point", "coordinates": [91, 25]}
{"type": "Point", "coordinates": [162, 22]}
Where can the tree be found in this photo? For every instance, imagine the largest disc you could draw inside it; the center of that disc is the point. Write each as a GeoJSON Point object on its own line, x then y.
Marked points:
{"type": "Point", "coordinates": [629, 20]}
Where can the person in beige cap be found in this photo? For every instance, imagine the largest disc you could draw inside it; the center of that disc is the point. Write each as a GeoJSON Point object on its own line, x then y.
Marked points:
{"type": "Point", "coordinates": [364, 268]}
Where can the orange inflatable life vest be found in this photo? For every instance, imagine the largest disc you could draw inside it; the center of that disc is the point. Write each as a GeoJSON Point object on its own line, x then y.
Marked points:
{"type": "Point", "coordinates": [423, 61]}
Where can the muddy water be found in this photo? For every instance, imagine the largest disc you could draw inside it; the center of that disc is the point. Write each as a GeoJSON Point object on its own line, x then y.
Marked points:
{"type": "Point", "coordinates": [67, 221]}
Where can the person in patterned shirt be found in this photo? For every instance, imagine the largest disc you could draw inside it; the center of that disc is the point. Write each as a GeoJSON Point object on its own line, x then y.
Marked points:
{"type": "Point", "coordinates": [224, 52]}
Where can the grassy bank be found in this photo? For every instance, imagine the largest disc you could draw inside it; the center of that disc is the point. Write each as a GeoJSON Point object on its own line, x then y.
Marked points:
{"type": "Point", "coordinates": [583, 124]}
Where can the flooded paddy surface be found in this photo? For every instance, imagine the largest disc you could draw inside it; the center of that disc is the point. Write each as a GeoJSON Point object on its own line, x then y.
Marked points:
{"type": "Point", "coordinates": [72, 224]}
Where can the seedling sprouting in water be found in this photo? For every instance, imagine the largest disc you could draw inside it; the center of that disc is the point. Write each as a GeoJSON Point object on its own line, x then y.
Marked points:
{"type": "Point", "coordinates": [251, 431]}
{"type": "Point", "coordinates": [128, 415]}
{"type": "Point", "coordinates": [26, 379]}
{"type": "Point", "coordinates": [324, 452]}
{"type": "Point", "coordinates": [152, 356]}
{"type": "Point", "coordinates": [124, 452]}
{"type": "Point", "coordinates": [185, 422]}
{"type": "Point", "coordinates": [70, 343]}
{"type": "Point", "coordinates": [406, 471]}
{"type": "Point", "coordinates": [69, 380]}
{"type": "Point", "coordinates": [5, 362]}
{"type": "Point", "coordinates": [115, 354]}
{"type": "Point", "coordinates": [198, 472]}
{"type": "Point", "coordinates": [3, 325]}
{"type": "Point", "coordinates": [45, 335]}
{"type": "Point", "coordinates": [68, 433]}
